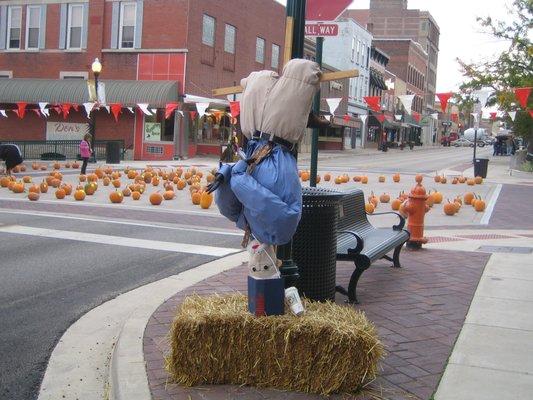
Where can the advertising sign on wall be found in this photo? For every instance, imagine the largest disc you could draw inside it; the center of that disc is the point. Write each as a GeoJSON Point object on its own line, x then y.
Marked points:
{"type": "Point", "coordinates": [65, 130]}
{"type": "Point", "coordinates": [152, 131]}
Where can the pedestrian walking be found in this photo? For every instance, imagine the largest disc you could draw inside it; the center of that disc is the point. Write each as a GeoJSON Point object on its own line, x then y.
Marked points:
{"type": "Point", "coordinates": [85, 151]}
{"type": "Point", "coordinates": [496, 146]}
{"type": "Point", "coordinates": [10, 153]}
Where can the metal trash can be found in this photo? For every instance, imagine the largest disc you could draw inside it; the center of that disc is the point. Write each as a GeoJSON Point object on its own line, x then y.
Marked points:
{"type": "Point", "coordinates": [314, 245]}
{"type": "Point", "coordinates": [112, 152]}
{"type": "Point", "coordinates": [481, 166]}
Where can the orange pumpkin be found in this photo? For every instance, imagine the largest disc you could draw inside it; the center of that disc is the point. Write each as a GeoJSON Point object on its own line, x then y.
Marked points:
{"type": "Point", "coordinates": [381, 178]}
{"type": "Point", "coordinates": [156, 199]}
{"type": "Point", "coordinates": [196, 198]}
{"type": "Point", "coordinates": [26, 179]}
{"type": "Point", "coordinates": [437, 197]}
{"type": "Point", "coordinates": [4, 181]}
{"type": "Point", "coordinates": [44, 187]}
{"type": "Point", "coordinates": [210, 178]}
{"type": "Point", "coordinates": [92, 178]}
{"type": "Point", "coordinates": [443, 180]}
{"type": "Point", "coordinates": [419, 178]}
{"type": "Point", "coordinates": [18, 187]}
{"type": "Point", "coordinates": [116, 197]}
{"type": "Point", "coordinates": [168, 195]}
{"type": "Point", "coordinates": [396, 177]}
{"type": "Point", "coordinates": [132, 174]}
{"type": "Point", "coordinates": [437, 178]}
{"type": "Point", "coordinates": [461, 179]}
{"type": "Point", "coordinates": [479, 205]}
{"type": "Point", "coordinates": [181, 184]}
{"type": "Point", "coordinates": [373, 199]}
{"type": "Point", "coordinates": [449, 208]}
{"type": "Point", "coordinates": [135, 195]}
{"type": "Point", "coordinates": [90, 188]}
{"type": "Point", "coordinates": [106, 181]}
{"type": "Point", "coordinates": [83, 178]}
{"type": "Point", "coordinates": [67, 188]}
{"type": "Point", "coordinates": [55, 183]}
{"type": "Point", "coordinates": [395, 205]}
{"type": "Point", "coordinates": [338, 180]}
{"type": "Point", "coordinates": [364, 179]}
{"type": "Point", "coordinates": [60, 194]}
{"type": "Point", "coordinates": [478, 180]}
{"type": "Point", "coordinates": [327, 177]}
{"type": "Point", "coordinates": [468, 197]}
{"type": "Point", "coordinates": [155, 181]}
{"type": "Point", "coordinates": [206, 199]}
{"type": "Point", "coordinates": [56, 165]}
{"type": "Point", "coordinates": [369, 208]}
{"type": "Point", "coordinates": [79, 195]}
{"type": "Point", "coordinates": [75, 165]}
{"type": "Point", "coordinates": [34, 189]}
{"type": "Point", "coordinates": [33, 196]}
{"type": "Point", "coordinates": [126, 192]}
{"type": "Point", "coordinates": [43, 167]}
{"type": "Point", "coordinates": [470, 182]}
{"type": "Point", "coordinates": [384, 198]}
{"type": "Point", "coordinates": [116, 183]}
{"type": "Point", "coordinates": [22, 168]}
{"type": "Point", "coordinates": [455, 181]}
{"type": "Point", "coordinates": [305, 176]}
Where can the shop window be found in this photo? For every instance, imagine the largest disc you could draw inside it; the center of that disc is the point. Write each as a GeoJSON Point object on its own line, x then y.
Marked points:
{"type": "Point", "coordinates": [33, 20]}
{"type": "Point", "coordinates": [154, 150]}
{"type": "Point", "coordinates": [213, 128]}
{"type": "Point", "coordinates": [260, 50]}
{"type": "Point", "coordinates": [157, 128]}
{"type": "Point", "coordinates": [208, 31]}
{"type": "Point", "coordinates": [275, 57]}
{"type": "Point", "coordinates": [14, 21]}
{"type": "Point", "coordinates": [128, 12]}
{"type": "Point", "coordinates": [73, 75]}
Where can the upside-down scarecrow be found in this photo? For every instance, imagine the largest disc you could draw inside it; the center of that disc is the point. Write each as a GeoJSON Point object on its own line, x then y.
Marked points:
{"type": "Point", "coordinates": [262, 193]}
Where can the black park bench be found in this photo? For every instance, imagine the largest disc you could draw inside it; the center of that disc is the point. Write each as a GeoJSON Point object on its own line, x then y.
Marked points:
{"type": "Point", "coordinates": [362, 243]}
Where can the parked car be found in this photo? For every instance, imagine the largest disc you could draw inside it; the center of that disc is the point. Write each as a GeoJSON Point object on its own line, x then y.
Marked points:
{"type": "Point", "coordinates": [462, 142]}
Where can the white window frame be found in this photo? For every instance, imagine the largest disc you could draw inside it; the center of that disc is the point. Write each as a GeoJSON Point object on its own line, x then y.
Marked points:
{"type": "Point", "coordinates": [121, 23]}
{"type": "Point", "coordinates": [352, 56]}
{"type": "Point", "coordinates": [229, 46]}
{"type": "Point", "coordinates": [259, 58]}
{"type": "Point", "coordinates": [69, 25]}
{"type": "Point", "coordinates": [211, 40]}
{"type": "Point", "coordinates": [6, 74]}
{"type": "Point", "coordinates": [275, 64]}
{"type": "Point", "coordinates": [39, 10]}
{"type": "Point", "coordinates": [8, 36]}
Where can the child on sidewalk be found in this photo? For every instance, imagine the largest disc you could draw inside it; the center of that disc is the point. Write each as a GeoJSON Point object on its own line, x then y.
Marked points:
{"type": "Point", "coordinates": [85, 151]}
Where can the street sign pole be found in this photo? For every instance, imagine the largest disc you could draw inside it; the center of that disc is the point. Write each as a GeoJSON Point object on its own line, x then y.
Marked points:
{"type": "Point", "coordinates": [296, 13]}
{"type": "Point", "coordinates": [316, 109]}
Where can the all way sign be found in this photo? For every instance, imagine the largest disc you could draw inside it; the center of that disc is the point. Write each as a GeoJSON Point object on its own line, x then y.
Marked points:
{"type": "Point", "coordinates": [321, 29]}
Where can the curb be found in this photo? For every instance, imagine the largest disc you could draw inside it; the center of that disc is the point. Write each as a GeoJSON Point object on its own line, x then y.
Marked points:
{"type": "Point", "coordinates": [127, 373]}
{"type": "Point", "coordinates": [100, 356]}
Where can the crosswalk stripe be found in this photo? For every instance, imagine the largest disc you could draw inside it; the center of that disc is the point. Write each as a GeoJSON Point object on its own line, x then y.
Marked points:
{"type": "Point", "coordinates": [119, 241]}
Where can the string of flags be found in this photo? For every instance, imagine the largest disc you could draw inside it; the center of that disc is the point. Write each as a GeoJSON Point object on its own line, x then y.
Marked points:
{"type": "Point", "coordinates": [43, 109]}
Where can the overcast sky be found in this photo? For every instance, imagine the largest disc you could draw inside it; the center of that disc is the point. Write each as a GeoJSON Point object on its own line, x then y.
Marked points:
{"type": "Point", "coordinates": [460, 34]}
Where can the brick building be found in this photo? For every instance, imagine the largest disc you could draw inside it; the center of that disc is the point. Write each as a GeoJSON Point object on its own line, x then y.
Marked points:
{"type": "Point", "coordinates": [392, 19]}
{"type": "Point", "coordinates": [192, 46]}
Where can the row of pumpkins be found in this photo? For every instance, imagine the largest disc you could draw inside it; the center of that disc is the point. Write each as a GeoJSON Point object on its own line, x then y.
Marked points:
{"type": "Point", "coordinates": [434, 197]}
{"type": "Point", "coordinates": [344, 178]}
{"type": "Point", "coordinates": [43, 167]}
{"type": "Point", "coordinates": [89, 185]}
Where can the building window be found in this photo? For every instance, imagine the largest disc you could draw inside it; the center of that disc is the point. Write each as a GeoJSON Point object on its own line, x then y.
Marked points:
{"type": "Point", "coordinates": [33, 20]}
{"type": "Point", "coordinates": [73, 75]}
{"type": "Point", "coordinates": [128, 12]}
{"type": "Point", "coordinates": [74, 26]}
{"type": "Point", "coordinates": [260, 50]}
{"type": "Point", "coordinates": [6, 74]}
{"type": "Point", "coordinates": [229, 39]}
{"type": "Point", "coordinates": [14, 20]}
{"type": "Point", "coordinates": [352, 56]}
{"type": "Point", "coordinates": [275, 56]}
{"type": "Point", "coordinates": [208, 31]}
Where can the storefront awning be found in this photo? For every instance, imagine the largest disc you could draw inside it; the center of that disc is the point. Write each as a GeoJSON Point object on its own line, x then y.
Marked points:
{"type": "Point", "coordinates": [190, 98]}
{"type": "Point", "coordinates": [75, 91]}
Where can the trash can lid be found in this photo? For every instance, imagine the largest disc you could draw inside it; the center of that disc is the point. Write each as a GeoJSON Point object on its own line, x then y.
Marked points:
{"type": "Point", "coordinates": [320, 192]}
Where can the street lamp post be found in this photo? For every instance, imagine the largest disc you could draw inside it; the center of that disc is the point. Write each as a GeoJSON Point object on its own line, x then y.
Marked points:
{"type": "Point", "coordinates": [96, 67]}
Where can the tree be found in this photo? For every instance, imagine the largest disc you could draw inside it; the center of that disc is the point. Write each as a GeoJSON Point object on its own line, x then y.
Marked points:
{"type": "Point", "coordinates": [511, 69]}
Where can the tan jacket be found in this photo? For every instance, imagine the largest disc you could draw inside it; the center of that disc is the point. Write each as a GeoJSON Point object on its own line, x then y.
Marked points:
{"type": "Point", "coordinates": [280, 105]}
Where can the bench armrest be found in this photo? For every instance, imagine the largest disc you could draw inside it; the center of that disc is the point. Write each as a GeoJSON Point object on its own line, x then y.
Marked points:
{"type": "Point", "coordinates": [358, 238]}
{"type": "Point", "coordinates": [398, 227]}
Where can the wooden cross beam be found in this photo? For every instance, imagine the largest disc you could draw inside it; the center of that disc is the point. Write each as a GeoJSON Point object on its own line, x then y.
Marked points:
{"type": "Point", "coordinates": [328, 76]}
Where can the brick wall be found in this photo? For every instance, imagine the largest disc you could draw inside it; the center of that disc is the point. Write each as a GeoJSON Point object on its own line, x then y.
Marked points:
{"type": "Point", "coordinates": [263, 18]}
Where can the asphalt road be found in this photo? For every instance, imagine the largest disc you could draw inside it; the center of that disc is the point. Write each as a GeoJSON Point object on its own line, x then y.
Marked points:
{"type": "Point", "coordinates": [51, 274]}
{"type": "Point", "coordinates": [48, 283]}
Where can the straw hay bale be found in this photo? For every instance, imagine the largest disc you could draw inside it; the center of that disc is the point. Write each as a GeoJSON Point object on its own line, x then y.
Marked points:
{"type": "Point", "coordinates": [215, 340]}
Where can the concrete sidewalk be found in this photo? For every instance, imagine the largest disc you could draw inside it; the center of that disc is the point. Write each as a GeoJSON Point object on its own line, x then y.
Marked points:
{"type": "Point", "coordinates": [117, 350]}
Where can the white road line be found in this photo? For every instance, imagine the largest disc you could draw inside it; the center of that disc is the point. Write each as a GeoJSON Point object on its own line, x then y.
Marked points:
{"type": "Point", "coordinates": [490, 207]}
{"type": "Point", "coordinates": [112, 221]}
{"type": "Point", "coordinates": [119, 241]}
